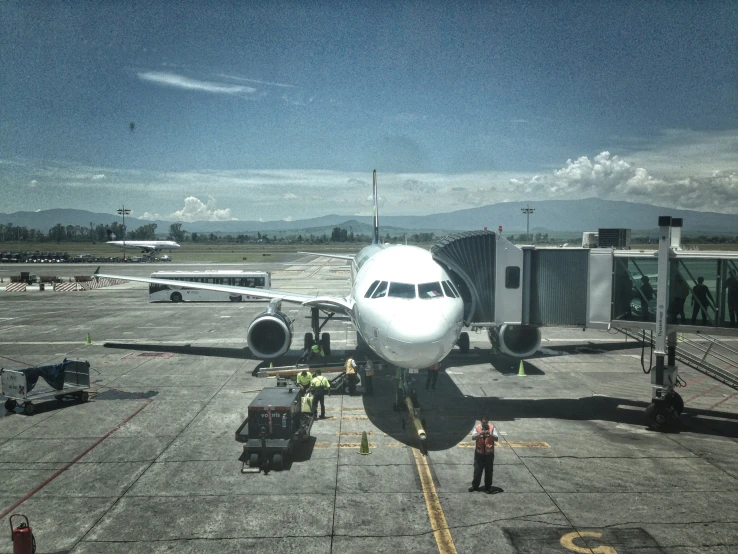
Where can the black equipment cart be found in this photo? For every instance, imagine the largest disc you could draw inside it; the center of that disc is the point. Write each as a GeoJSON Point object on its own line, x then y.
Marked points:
{"type": "Point", "coordinates": [277, 418]}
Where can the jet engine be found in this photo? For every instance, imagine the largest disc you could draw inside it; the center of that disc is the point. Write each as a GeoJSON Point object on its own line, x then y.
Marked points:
{"type": "Point", "coordinates": [519, 341]}
{"type": "Point", "coordinates": [270, 334]}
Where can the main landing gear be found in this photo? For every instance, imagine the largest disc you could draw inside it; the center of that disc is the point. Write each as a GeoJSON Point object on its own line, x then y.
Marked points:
{"type": "Point", "coordinates": [316, 337]}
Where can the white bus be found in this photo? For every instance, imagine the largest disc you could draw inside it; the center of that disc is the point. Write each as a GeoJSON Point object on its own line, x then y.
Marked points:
{"type": "Point", "coordinates": [166, 293]}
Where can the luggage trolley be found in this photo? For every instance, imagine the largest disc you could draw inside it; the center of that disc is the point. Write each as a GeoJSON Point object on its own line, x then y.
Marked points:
{"type": "Point", "coordinates": [69, 378]}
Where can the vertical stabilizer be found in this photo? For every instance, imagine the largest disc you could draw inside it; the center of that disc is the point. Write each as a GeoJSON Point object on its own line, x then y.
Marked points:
{"type": "Point", "coordinates": [375, 233]}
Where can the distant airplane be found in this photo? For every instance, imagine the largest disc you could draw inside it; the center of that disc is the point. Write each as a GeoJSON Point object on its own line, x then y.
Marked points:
{"type": "Point", "coordinates": [147, 247]}
{"type": "Point", "coordinates": [402, 303]}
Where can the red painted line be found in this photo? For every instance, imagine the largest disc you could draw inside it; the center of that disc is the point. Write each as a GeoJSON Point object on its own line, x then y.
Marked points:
{"type": "Point", "coordinates": [692, 381]}
{"type": "Point", "coordinates": [74, 461]}
{"type": "Point", "coordinates": [723, 400]}
{"type": "Point", "coordinates": [703, 392]}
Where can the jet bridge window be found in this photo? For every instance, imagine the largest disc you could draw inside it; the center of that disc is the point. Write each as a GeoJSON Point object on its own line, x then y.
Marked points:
{"type": "Point", "coordinates": [402, 290]}
{"type": "Point", "coordinates": [430, 290]}
{"type": "Point", "coordinates": [449, 290]}
{"type": "Point", "coordinates": [371, 289]}
{"type": "Point", "coordinates": [512, 277]}
{"type": "Point", "coordinates": [381, 290]}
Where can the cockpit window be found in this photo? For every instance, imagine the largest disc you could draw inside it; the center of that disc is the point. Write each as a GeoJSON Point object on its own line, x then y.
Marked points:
{"type": "Point", "coordinates": [402, 290]}
{"type": "Point", "coordinates": [448, 290]}
{"type": "Point", "coordinates": [430, 290]}
{"type": "Point", "coordinates": [371, 289]}
{"type": "Point", "coordinates": [381, 290]}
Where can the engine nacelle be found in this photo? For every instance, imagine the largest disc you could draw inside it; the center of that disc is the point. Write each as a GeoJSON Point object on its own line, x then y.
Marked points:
{"type": "Point", "coordinates": [519, 341]}
{"type": "Point", "coordinates": [270, 334]}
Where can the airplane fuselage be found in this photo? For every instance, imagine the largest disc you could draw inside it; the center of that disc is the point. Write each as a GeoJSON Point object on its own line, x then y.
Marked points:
{"type": "Point", "coordinates": [150, 245]}
{"type": "Point", "coordinates": [405, 307]}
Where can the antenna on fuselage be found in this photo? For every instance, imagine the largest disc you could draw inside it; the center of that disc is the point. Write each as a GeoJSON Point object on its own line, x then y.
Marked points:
{"type": "Point", "coordinates": [375, 233]}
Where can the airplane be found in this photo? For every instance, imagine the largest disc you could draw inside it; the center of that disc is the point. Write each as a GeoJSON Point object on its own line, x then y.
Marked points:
{"type": "Point", "coordinates": [148, 247]}
{"type": "Point", "coordinates": [403, 304]}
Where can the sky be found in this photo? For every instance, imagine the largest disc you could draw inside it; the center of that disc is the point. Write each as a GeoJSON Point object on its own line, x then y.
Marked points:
{"type": "Point", "coordinates": [215, 110]}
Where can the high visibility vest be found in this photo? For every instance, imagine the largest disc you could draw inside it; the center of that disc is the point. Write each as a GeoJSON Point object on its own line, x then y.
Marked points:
{"type": "Point", "coordinates": [304, 379]}
{"type": "Point", "coordinates": [319, 382]}
{"type": "Point", "coordinates": [485, 445]}
{"type": "Point", "coordinates": [369, 368]}
{"type": "Point", "coordinates": [317, 350]}
{"type": "Point", "coordinates": [350, 366]}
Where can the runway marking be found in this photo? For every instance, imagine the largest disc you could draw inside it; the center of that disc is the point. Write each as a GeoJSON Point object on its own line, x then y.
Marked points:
{"type": "Point", "coordinates": [353, 433]}
{"type": "Point", "coordinates": [723, 400]}
{"type": "Point", "coordinates": [702, 393]}
{"type": "Point", "coordinates": [354, 445]}
{"type": "Point", "coordinates": [441, 532]}
{"type": "Point", "coordinates": [510, 444]}
{"type": "Point", "coordinates": [567, 541]}
{"type": "Point", "coordinates": [354, 417]}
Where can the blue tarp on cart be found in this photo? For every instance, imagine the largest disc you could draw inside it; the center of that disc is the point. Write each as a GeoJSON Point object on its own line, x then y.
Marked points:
{"type": "Point", "coordinates": [52, 374]}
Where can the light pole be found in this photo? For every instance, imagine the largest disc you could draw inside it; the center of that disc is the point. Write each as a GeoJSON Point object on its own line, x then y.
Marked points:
{"type": "Point", "coordinates": [123, 211]}
{"type": "Point", "coordinates": [527, 211]}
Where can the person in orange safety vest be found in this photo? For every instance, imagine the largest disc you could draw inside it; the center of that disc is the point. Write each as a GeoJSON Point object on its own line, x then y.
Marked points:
{"type": "Point", "coordinates": [484, 435]}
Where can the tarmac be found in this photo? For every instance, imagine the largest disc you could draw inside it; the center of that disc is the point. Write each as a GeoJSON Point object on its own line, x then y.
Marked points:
{"type": "Point", "coordinates": [150, 463]}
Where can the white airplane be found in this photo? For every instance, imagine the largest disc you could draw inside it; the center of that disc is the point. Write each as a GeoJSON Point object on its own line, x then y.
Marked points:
{"type": "Point", "coordinates": [402, 303]}
{"type": "Point", "coordinates": [148, 247]}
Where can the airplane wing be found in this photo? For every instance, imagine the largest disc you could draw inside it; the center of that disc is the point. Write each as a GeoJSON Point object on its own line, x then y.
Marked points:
{"type": "Point", "coordinates": [330, 303]}
{"type": "Point", "coordinates": [337, 256]}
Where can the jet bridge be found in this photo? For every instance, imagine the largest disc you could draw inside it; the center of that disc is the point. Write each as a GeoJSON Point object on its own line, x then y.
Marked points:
{"type": "Point", "coordinates": [514, 290]}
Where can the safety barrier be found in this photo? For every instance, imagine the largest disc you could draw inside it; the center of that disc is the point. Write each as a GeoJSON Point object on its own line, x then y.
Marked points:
{"type": "Point", "coordinates": [65, 287]}
{"type": "Point", "coordinates": [100, 283]}
{"type": "Point", "coordinates": [15, 287]}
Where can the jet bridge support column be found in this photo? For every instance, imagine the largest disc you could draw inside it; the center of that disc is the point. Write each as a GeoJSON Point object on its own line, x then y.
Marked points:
{"type": "Point", "coordinates": [666, 405]}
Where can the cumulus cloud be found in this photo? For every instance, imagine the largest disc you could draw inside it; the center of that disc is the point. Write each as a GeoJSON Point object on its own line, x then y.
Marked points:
{"type": "Point", "coordinates": [32, 184]}
{"type": "Point", "coordinates": [187, 83]}
{"type": "Point", "coordinates": [194, 210]}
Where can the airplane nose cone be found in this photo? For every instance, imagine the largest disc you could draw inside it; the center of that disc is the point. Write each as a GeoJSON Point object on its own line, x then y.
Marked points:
{"type": "Point", "coordinates": [417, 340]}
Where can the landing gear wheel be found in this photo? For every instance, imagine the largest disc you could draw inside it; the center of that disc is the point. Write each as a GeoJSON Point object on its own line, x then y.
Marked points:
{"type": "Point", "coordinates": [677, 403]}
{"type": "Point", "coordinates": [277, 462]}
{"type": "Point", "coordinates": [254, 460]}
{"type": "Point", "coordinates": [29, 408]}
{"type": "Point", "coordinates": [325, 342]}
{"type": "Point", "coordinates": [464, 343]}
{"type": "Point", "coordinates": [84, 396]}
{"type": "Point", "coordinates": [660, 416]}
{"type": "Point", "coordinates": [308, 341]}
{"type": "Point", "coordinates": [176, 297]}
{"type": "Point", "coordinates": [10, 405]}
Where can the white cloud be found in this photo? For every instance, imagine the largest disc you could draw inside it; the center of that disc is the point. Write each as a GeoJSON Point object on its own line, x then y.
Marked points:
{"type": "Point", "coordinates": [245, 80]}
{"type": "Point", "coordinates": [32, 184]}
{"type": "Point", "coordinates": [290, 196]}
{"type": "Point", "coordinates": [194, 210]}
{"type": "Point", "coordinates": [288, 218]}
{"type": "Point", "coordinates": [180, 81]}
{"type": "Point", "coordinates": [98, 177]}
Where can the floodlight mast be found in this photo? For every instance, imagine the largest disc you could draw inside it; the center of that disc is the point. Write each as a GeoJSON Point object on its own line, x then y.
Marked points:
{"type": "Point", "coordinates": [527, 211]}
{"type": "Point", "coordinates": [123, 211]}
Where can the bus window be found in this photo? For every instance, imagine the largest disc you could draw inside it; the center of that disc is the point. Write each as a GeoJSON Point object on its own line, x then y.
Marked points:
{"type": "Point", "coordinates": [260, 281]}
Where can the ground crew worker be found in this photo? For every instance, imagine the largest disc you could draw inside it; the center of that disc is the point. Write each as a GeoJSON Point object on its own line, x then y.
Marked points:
{"type": "Point", "coordinates": [485, 436]}
{"type": "Point", "coordinates": [319, 386]}
{"type": "Point", "coordinates": [351, 375]}
{"type": "Point", "coordinates": [303, 379]}
{"type": "Point", "coordinates": [368, 377]}
{"type": "Point", "coordinates": [432, 376]}
{"type": "Point", "coordinates": [316, 351]}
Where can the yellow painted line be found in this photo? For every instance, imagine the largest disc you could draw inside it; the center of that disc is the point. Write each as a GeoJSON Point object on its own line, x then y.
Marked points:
{"type": "Point", "coordinates": [395, 445]}
{"type": "Point", "coordinates": [354, 417]}
{"type": "Point", "coordinates": [321, 445]}
{"type": "Point", "coordinates": [353, 433]}
{"type": "Point", "coordinates": [511, 444]}
{"type": "Point", "coordinates": [441, 532]}
{"type": "Point", "coordinates": [354, 445]}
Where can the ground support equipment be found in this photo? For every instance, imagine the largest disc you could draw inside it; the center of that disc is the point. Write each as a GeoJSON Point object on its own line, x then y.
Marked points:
{"type": "Point", "coordinates": [15, 385]}
{"type": "Point", "coordinates": [278, 419]}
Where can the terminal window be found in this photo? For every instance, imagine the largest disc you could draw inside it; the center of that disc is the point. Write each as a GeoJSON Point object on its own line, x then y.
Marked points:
{"type": "Point", "coordinates": [512, 277]}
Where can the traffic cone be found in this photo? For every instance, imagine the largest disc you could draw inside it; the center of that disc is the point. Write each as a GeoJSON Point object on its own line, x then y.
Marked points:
{"type": "Point", "coordinates": [680, 337]}
{"type": "Point", "coordinates": [89, 340]}
{"type": "Point", "coordinates": [521, 370]}
{"type": "Point", "coordinates": [364, 449]}
{"type": "Point", "coordinates": [271, 365]}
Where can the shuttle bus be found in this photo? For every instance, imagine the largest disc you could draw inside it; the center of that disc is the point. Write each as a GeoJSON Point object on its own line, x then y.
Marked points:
{"type": "Point", "coordinates": [166, 293]}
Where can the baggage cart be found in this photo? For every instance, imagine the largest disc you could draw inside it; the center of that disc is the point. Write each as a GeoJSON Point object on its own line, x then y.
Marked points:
{"type": "Point", "coordinates": [278, 418]}
{"type": "Point", "coordinates": [19, 385]}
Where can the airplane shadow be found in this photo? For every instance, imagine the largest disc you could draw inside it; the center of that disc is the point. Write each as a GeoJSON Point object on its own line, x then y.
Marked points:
{"type": "Point", "coordinates": [218, 352]}
{"type": "Point", "coordinates": [448, 415]}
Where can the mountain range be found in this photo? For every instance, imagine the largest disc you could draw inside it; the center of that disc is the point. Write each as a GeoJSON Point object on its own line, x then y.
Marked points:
{"type": "Point", "coordinates": [549, 216]}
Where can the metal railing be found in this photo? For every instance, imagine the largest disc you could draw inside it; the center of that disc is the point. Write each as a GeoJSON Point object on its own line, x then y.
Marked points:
{"type": "Point", "coordinates": [703, 355]}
